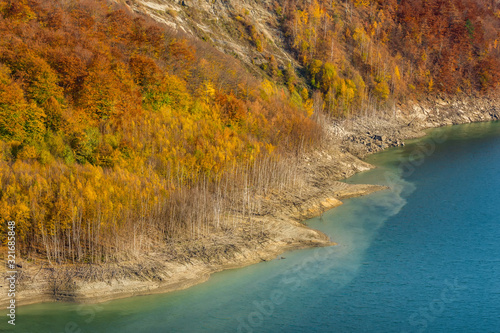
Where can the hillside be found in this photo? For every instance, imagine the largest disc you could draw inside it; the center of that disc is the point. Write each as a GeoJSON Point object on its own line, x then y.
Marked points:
{"type": "Point", "coordinates": [354, 52]}
{"type": "Point", "coordinates": [108, 119]}
{"type": "Point", "coordinates": [184, 131]}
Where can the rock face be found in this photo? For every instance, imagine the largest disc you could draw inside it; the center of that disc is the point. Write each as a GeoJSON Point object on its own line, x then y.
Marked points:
{"type": "Point", "coordinates": [225, 25]}
{"type": "Point", "coordinates": [365, 135]}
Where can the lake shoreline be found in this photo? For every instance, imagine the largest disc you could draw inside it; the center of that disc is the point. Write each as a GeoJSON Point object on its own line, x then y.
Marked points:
{"type": "Point", "coordinates": [339, 159]}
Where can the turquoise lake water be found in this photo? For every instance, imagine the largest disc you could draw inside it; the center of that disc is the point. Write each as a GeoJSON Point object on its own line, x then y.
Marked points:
{"type": "Point", "coordinates": [421, 257]}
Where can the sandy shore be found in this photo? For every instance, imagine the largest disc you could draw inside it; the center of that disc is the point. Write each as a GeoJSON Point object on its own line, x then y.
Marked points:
{"type": "Point", "coordinates": [276, 232]}
{"type": "Point", "coordinates": [158, 274]}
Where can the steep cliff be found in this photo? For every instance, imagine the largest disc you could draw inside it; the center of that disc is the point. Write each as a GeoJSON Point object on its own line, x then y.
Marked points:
{"type": "Point", "coordinates": [251, 31]}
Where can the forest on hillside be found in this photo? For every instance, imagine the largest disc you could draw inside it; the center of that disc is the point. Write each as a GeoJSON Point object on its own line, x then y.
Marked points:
{"type": "Point", "coordinates": [118, 134]}
{"type": "Point", "coordinates": [365, 52]}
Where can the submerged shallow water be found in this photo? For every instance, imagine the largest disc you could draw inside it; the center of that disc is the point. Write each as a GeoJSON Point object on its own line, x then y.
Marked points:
{"type": "Point", "coordinates": [421, 257]}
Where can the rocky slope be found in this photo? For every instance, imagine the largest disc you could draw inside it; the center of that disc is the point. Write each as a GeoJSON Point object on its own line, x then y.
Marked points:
{"type": "Point", "coordinates": [367, 135]}
{"type": "Point", "coordinates": [233, 27]}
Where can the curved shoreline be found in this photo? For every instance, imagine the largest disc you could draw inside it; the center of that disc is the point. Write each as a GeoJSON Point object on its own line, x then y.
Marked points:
{"type": "Point", "coordinates": [292, 235]}
{"type": "Point", "coordinates": [285, 232]}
